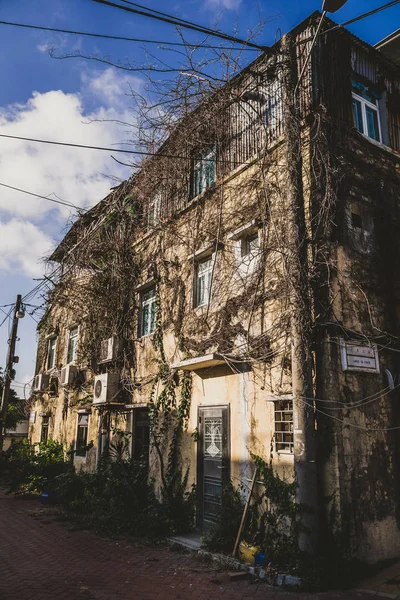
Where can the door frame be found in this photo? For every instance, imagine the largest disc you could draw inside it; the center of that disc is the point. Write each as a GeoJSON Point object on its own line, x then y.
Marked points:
{"type": "Point", "coordinates": [226, 456]}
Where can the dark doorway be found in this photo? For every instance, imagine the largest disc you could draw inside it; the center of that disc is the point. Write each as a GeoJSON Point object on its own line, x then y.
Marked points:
{"type": "Point", "coordinates": [213, 462]}
{"type": "Point", "coordinates": [140, 435]}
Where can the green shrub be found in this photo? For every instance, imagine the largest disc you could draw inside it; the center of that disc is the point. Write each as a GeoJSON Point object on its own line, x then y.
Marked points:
{"type": "Point", "coordinates": [118, 498]}
{"type": "Point", "coordinates": [222, 536]}
{"type": "Point", "coordinates": [27, 468]}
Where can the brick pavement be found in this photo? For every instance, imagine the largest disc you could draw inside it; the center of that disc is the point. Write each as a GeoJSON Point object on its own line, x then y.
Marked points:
{"type": "Point", "coordinates": [42, 559]}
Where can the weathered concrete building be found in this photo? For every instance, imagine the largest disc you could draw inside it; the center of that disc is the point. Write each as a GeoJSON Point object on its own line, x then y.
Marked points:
{"type": "Point", "coordinates": [175, 293]}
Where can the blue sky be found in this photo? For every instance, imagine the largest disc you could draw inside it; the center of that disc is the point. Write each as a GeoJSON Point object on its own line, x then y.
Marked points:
{"type": "Point", "coordinates": [55, 99]}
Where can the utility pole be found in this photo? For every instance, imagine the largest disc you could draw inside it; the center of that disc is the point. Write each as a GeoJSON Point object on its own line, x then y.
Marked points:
{"type": "Point", "coordinates": [297, 270]}
{"type": "Point", "coordinates": [18, 314]}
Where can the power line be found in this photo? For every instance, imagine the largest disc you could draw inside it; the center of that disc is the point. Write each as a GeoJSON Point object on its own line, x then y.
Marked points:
{"type": "Point", "coordinates": [6, 317]}
{"type": "Point", "coordinates": [121, 38]}
{"type": "Point", "coordinates": [11, 187]}
{"type": "Point", "coordinates": [4, 313]}
{"type": "Point", "coordinates": [346, 423]}
{"type": "Point", "coordinates": [140, 152]}
{"type": "Point", "coordinates": [164, 17]}
{"type": "Point", "coordinates": [363, 16]}
{"type": "Point", "coordinates": [59, 268]}
{"type": "Point", "coordinates": [16, 137]}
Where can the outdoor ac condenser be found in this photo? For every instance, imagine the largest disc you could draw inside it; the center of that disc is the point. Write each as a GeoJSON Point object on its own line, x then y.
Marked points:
{"type": "Point", "coordinates": [68, 374]}
{"type": "Point", "coordinates": [41, 382]}
{"type": "Point", "coordinates": [109, 349]}
{"type": "Point", "coordinates": [105, 388]}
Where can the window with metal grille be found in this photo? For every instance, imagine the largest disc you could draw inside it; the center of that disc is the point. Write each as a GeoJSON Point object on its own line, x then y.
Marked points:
{"type": "Point", "coordinates": [284, 426]}
{"type": "Point", "coordinates": [72, 345]}
{"type": "Point", "coordinates": [147, 317]}
{"type": "Point", "coordinates": [44, 431]}
{"type": "Point", "coordinates": [82, 435]}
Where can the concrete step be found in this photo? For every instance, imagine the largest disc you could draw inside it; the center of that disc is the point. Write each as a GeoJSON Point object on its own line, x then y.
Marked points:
{"type": "Point", "coordinates": [191, 541]}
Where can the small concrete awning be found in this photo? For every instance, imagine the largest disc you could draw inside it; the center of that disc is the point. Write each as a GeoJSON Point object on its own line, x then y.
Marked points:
{"type": "Point", "coordinates": [200, 362]}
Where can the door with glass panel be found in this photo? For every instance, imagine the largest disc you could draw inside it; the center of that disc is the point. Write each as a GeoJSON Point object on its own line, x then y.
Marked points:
{"type": "Point", "coordinates": [213, 464]}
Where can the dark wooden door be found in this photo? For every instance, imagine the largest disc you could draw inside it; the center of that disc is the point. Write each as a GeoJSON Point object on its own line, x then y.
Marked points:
{"type": "Point", "coordinates": [213, 464]}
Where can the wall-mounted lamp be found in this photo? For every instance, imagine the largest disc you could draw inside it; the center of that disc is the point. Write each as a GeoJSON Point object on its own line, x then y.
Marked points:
{"type": "Point", "coordinates": [332, 6]}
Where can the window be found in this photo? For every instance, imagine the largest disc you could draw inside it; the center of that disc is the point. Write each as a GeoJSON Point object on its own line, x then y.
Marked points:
{"type": "Point", "coordinates": [154, 214]}
{"type": "Point", "coordinates": [44, 431]}
{"type": "Point", "coordinates": [147, 311]}
{"type": "Point", "coordinates": [204, 172]}
{"type": "Point", "coordinates": [72, 345]}
{"type": "Point", "coordinates": [82, 435]}
{"type": "Point", "coordinates": [140, 435]}
{"type": "Point", "coordinates": [366, 111]}
{"type": "Point", "coordinates": [284, 426]}
{"type": "Point", "coordinates": [249, 245]}
{"type": "Point", "coordinates": [361, 227]}
{"type": "Point", "coordinates": [51, 353]}
{"type": "Point", "coordinates": [246, 247]}
{"type": "Point", "coordinates": [356, 221]}
{"type": "Point", "coordinates": [203, 281]}
{"type": "Point", "coordinates": [274, 108]}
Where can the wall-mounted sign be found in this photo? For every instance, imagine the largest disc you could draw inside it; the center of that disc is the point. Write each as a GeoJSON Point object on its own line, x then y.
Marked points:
{"type": "Point", "coordinates": [359, 357]}
{"type": "Point", "coordinates": [32, 416]}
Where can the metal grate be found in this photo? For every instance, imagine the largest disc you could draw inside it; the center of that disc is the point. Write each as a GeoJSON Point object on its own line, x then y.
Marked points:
{"type": "Point", "coordinates": [213, 438]}
{"type": "Point", "coordinates": [284, 426]}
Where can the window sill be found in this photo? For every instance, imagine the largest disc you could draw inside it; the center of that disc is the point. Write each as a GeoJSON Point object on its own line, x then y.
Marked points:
{"type": "Point", "coordinates": [378, 144]}
{"type": "Point", "coordinates": [144, 337]}
{"type": "Point", "coordinates": [248, 267]}
{"type": "Point", "coordinates": [201, 308]}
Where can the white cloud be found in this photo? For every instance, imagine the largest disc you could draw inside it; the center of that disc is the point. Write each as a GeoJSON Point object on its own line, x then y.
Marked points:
{"type": "Point", "coordinates": [44, 47]}
{"type": "Point", "coordinates": [78, 176]}
{"type": "Point", "coordinates": [21, 245]}
{"type": "Point", "coordinates": [110, 87]}
{"type": "Point", "coordinates": [229, 4]}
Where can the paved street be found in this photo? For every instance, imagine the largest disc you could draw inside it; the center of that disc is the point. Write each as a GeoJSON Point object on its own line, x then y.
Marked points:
{"type": "Point", "coordinates": [41, 558]}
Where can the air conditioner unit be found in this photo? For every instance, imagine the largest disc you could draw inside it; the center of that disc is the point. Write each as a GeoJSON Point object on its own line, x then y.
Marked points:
{"type": "Point", "coordinates": [105, 388]}
{"type": "Point", "coordinates": [68, 374]}
{"type": "Point", "coordinates": [41, 382]}
{"type": "Point", "coordinates": [109, 349]}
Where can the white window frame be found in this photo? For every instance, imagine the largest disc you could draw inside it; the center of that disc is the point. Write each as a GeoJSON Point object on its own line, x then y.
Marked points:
{"type": "Point", "coordinates": [51, 339]}
{"type": "Point", "coordinates": [199, 166]}
{"type": "Point", "coordinates": [144, 303]}
{"type": "Point", "coordinates": [210, 258]}
{"type": "Point", "coordinates": [246, 262]}
{"type": "Point", "coordinates": [248, 254]}
{"type": "Point", "coordinates": [374, 107]}
{"type": "Point", "coordinates": [75, 355]}
{"type": "Point", "coordinates": [154, 211]}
